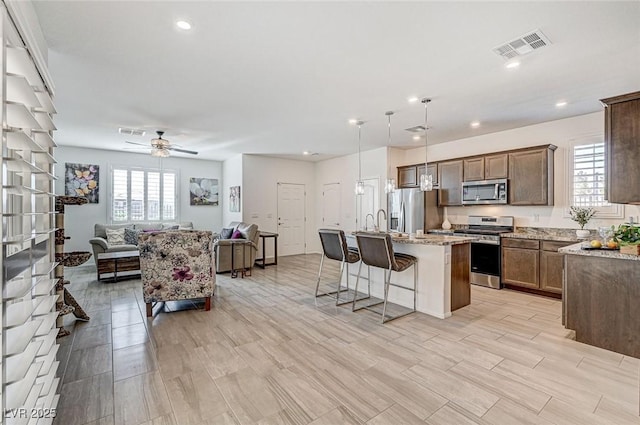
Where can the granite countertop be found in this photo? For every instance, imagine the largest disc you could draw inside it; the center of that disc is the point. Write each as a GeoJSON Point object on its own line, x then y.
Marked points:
{"type": "Point", "coordinates": [576, 249]}
{"type": "Point", "coordinates": [544, 233]}
{"type": "Point", "coordinates": [427, 239]}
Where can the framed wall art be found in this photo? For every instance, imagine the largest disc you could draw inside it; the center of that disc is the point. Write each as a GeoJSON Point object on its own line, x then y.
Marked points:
{"type": "Point", "coordinates": [82, 180]}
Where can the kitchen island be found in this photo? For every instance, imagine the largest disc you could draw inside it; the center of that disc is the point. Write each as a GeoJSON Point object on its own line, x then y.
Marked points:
{"type": "Point", "coordinates": [601, 295]}
{"type": "Point", "coordinates": [443, 274]}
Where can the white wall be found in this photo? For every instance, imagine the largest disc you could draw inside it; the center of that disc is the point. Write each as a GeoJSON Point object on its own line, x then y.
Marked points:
{"type": "Point", "coordinates": [561, 133]}
{"type": "Point", "coordinates": [260, 177]}
{"type": "Point", "coordinates": [231, 176]}
{"type": "Point", "coordinates": [79, 220]}
{"type": "Point", "coordinates": [344, 170]}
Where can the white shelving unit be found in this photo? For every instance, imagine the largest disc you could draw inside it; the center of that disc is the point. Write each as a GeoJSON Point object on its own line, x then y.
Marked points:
{"type": "Point", "coordinates": [28, 309]}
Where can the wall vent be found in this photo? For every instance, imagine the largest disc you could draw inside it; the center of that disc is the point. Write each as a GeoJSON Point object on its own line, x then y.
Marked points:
{"type": "Point", "coordinates": [522, 45]}
{"type": "Point", "coordinates": [131, 131]}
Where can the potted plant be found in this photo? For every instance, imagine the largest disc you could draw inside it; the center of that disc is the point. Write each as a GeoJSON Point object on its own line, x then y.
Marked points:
{"type": "Point", "coordinates": [582, 216]}
{"type": "Point", "coordinates": [628, 238]}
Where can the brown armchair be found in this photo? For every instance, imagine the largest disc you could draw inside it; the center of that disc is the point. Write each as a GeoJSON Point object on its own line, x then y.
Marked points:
{"type": "Point", "coordinates": [223, 248]}
{"type": "Point", "coordinates": [176, 265]}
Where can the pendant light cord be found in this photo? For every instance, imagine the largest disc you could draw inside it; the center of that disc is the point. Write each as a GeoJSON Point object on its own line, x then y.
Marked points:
{"type": "Point", "coordinates": [426, 144]}
{"type": "Point", "coordinates": [359, 154]}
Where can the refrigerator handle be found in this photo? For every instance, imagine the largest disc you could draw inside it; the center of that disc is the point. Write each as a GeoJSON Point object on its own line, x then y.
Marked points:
{"type": "Point", "coordinates": [401, 219]}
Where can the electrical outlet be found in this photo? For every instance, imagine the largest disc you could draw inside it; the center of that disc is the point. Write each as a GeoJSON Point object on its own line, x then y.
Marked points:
{"type": "Point", "coordinates": [536, 218]}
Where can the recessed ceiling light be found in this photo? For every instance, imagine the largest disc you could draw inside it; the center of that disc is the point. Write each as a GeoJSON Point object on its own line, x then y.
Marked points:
{"type": "Point", "coordinates": [412, 99]}
{"type": "Point", "coordinates": [561, 104]}
{"type": "Point", "coordinates": [512, 65]}
{"type": "Point", "coordinates": [416, 137]}
{"type": "Point", "coordinates": [306, 153]}
{"type": "Point", "coordinates": [475, 124]}
{"type": "Point", "coordinates": [353, 121]}
{"type": "Point", "coordinates": [183, 25]}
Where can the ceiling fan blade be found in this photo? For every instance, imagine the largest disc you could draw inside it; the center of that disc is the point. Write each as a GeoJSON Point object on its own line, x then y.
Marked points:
{"type": "Point", "coordinates": [181, 150]}
{"type": "Point", "coordinates": [136, 143]}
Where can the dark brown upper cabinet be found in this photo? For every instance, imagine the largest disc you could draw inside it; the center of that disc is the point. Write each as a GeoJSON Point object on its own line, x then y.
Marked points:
{"type": "Point", "coordinates": [531, 176]}
{"type": "Point", "coordinates": [486, 167]}
{"type": "Point", "coordinates": [409, 175]}
{"type": "Point", "coordinates": [622, 148]}
{"type": "Point", "coordinates": [450, 180]}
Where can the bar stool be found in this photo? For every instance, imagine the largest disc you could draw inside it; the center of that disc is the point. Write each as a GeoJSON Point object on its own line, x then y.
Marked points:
{"type": "Point", "coordinates": [376, 250]}
{"type": "Point", "coordinates": [334, 245]}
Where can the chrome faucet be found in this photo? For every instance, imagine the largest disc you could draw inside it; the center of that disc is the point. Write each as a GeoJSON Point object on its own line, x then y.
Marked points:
{"type": "Point", "coordinates": [366, 221]}
{"type": "Point", "coordinates": [384, 214]}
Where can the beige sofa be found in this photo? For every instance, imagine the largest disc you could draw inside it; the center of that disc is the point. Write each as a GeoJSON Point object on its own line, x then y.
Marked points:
{"type": "Point", "coordinates": [223, 248]}
{"type": "Point", "coordinates": [99, 241]}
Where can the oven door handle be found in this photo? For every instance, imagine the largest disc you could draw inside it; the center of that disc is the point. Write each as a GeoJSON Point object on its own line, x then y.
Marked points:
{"type": "Point", "coordinates": [487, 242]}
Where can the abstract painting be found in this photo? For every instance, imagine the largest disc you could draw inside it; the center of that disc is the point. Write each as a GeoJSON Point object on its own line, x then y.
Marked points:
{"type": "Point", "coordinates": [82, 180]}
{"type": "Point", "coordinates": [203, 191]}
{"type": "Point", "coordinates": [234, 199]}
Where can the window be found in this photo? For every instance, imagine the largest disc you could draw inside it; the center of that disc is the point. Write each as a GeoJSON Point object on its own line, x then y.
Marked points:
{"type": "Point", "coordinates": [587, 179]}
{"type": "Point", "coordinates": [143, 194]}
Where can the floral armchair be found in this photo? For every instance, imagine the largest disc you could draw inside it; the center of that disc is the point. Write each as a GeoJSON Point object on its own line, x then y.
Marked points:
{"type": "Point", "coordinates": [176, 265]}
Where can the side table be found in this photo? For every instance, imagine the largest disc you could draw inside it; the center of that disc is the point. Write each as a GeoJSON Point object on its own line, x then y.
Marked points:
{"type": "Point", "coordinates": [261, 262]}
{"type": "Point", "coordinates": [115, 264]}
{"type": "Point", "coordinates": [243, 245]}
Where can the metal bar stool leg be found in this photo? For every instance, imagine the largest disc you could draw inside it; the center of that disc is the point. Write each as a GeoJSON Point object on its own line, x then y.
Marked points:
{"type": "Point", "coordinates": [339, 285]}
{"type": "Point", "coordinates": [319, 274]}
{"type": "Point", "coordinates": [387, 281]}
{"type": "Point", "coordinates": [355, 294]}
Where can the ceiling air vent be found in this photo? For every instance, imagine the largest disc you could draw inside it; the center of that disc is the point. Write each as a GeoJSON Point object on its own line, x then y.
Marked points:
{"type": "Point", "coordinates": [522, 45]}
{"type": "Point", "coordinates": [416, 129]}
{"type": "Point", "coordinates": [131, 131]}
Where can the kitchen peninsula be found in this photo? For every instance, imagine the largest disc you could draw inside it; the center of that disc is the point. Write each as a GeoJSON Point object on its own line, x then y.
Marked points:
{"type": "Point", "coordinates": [601, 293]}
{"type": "Point", "coordinates": [443, 274]}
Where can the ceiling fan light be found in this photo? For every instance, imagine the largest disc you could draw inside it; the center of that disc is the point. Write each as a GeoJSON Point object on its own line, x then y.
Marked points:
{"type": "Point", "coordinates": [160, 153]}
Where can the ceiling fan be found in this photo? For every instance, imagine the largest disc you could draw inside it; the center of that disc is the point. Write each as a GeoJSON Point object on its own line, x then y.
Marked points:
{"type": "Point", "coordinates": [160, 147]}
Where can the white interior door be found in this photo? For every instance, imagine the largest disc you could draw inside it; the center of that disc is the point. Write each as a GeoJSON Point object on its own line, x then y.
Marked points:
{"type": "Point", "coordinates": [369, 202]}
{"type": "Point", "coordinates": [291, 218]}
{"type": "Point", "coordinates": [331, 205]}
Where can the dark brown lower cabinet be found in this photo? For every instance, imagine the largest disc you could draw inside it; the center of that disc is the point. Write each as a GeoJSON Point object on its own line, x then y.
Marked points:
{"type": "Point", "coordinates": [521, 262]}
{"type": "Point", "coordinates": [532, 264]}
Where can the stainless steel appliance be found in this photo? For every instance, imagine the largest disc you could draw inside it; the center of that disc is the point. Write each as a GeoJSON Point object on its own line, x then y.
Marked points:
{"type": "Point", "coordinates": [407, 209]}
{"type": "Point", "coordinates": [485, 252]}
{"type": "Point", "coordinates": [484, 192]}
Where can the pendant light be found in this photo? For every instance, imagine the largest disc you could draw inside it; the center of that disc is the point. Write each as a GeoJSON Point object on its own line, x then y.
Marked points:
{"type": "Point", "coordinates": [390, 184]}
{"type": "Point", "coordinates": [359, 183]}
{"type": "Point", "coordinates": [426, 179]}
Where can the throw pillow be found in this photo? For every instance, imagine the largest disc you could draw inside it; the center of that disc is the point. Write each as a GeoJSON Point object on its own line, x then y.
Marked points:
{"type": "Point", "coordinates": [171, 227]}
{"type": "Point", "coordinates": [115, 236]}
{"type": "Point", "coordinates": [131, 236]}
{"type": "Point", "coordinates": [226, 233]}
{"type": "Point", "coordinates": [236, 235]}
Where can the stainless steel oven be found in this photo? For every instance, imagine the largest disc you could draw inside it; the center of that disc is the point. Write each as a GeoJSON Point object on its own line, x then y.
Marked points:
{"type": "Point", "coordinates": [485, 251]}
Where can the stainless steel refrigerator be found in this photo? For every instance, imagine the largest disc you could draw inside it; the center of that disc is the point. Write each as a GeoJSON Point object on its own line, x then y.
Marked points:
{"type": "Point", "coordinates": [407, 209]}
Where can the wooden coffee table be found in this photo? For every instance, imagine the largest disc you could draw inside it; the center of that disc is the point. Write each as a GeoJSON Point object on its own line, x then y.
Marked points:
{"type": "Point", "coordinates": [112, 265]}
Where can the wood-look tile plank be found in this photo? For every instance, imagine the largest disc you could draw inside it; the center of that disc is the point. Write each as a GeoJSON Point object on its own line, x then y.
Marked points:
{"type": "Point", "coordinates": [129, 335]}
{"type": "Point", "coordinates": [107, 420]}
{"type": "Point", "coordinates": [502, 386]}
{"type": "Point", "coordinates": [140, 398]}
{"type": "Point", "coordinates": [162, 420]}
{"type": "Point", "coordinates": [126, 318]}
{"type": "Point", "coordinates": [561, 413]}
{"type": "Point", "coordinates": [134, 360]}
{"type": "Point", "coordinates": [462, 392]}
{"type": "Point", "coordinates": [176, 360]}
{"type": "Point", "coordinates": [195, 398]}
{"type": "Point", "coordinates": [339, 415]}
{"type": "Point", "coordinates": [226, 418]}
{"type": "Point", "coordinates": [87, 337]}
{"type": "Point", "coordinates": [87, 362]}
{"type": "Point", "coordinates": [450, 414]}
{"type": "Point", "coordinates": [396, 414]}
{"type": "Point", "coordinates": [220, 359]}
{"type": "Point", "coordinates": [508, 412]}
{"type": "Point", "coordinates": [458, 351]}
{"type": "Point", "coordinates": [86, 400]}
{"type": "Point", "coordinates": [612, 411]}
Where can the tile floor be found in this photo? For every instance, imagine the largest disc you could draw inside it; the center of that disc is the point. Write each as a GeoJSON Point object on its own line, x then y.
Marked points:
{"type": "Point", "coordinates": [270, 353]}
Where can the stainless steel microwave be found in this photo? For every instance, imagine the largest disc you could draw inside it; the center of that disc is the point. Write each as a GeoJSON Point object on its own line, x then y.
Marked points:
{"type": "Point", "coordinates": [484, 192]}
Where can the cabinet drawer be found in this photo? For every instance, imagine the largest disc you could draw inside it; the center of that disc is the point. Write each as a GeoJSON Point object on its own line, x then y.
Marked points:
{"type": "Point", "coordinates": [520, 243]}
{"type": "Point", "coordinates": [553, 246]}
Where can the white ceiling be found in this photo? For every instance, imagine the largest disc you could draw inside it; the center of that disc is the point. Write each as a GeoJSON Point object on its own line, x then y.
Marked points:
{"type": "Point", "coordinates": [281, 78]}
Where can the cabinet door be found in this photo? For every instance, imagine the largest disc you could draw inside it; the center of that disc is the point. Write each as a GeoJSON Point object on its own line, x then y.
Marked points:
{"type": "Point", "coordinates": [622, 132]}
{"type": "Point", "coordinates": [433, 170]}
{"type": "Point", "coordinates": [407, 176]}
{"type": "Point", "coordinates": [474, 169]}
{"type": "Point", "coordinates": [450, 178]}
{"type": "Point", "coordinates": [531, 177]}
{"type": "Point", "coordinates": [496, 166]}
{"type": "Point", "coordinates": [551, 264]}
{"type": "Point", "coordinates": [520, 267]}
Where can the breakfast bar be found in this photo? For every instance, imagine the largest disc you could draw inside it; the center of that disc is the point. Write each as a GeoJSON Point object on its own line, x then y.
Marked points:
{"type": "Point", "coordinates": [443, 273]}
